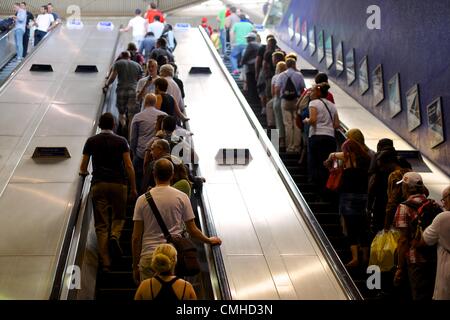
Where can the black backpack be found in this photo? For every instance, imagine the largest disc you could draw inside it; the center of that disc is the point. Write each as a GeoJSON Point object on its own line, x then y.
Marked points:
{"type": "Point", "coordinates": [290, 92]}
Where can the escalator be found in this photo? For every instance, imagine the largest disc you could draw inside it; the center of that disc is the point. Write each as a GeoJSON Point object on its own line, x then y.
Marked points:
{"type": "Point", "coordinates": [324, 207]}
{"type": "Point", "coordinates": [7, 69]}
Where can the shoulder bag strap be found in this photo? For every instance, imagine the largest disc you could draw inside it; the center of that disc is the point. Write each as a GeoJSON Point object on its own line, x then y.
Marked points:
{"type": "Point", "coordinates": [329, 112]}
{"type": "Point", "coordinates": [158, 217]}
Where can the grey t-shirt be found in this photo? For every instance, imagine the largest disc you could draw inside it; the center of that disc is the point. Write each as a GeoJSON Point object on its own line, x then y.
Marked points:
{"type": "Point", "coordinates": [128, 73]}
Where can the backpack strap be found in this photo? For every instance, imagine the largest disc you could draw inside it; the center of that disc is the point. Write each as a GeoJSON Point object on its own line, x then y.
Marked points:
{"type": "Point", "coordinates": [328, 109]}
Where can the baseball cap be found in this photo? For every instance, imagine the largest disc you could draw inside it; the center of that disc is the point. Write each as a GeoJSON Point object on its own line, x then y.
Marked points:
{"type": "Point", "coordinates": [411, 179]}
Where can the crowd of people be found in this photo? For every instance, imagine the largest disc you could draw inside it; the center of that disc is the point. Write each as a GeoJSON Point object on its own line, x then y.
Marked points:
{"type": "Point", "coordinates": [149, 157]}
{"type": "Point", "coordinates": [28, 26]}
{"type": "Point", "coordinates": [378, 191]}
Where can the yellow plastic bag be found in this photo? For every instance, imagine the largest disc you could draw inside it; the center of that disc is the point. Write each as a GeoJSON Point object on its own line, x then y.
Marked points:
{"type": "Point", "coordinates": [383, 248]}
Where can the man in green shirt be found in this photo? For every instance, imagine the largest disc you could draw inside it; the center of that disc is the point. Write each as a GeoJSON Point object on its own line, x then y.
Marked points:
{"type": "Point", "coordinates": [223, 35]}
{"type": "Point", "coordinates": [239, 42]}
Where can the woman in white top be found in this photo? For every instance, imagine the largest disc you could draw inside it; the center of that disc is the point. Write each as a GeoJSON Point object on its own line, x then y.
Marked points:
{"type": "Point", "coordinates": [323, 120]}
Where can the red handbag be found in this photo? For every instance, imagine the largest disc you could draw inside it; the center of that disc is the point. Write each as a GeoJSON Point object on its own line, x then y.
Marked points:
{"type": "Point", "coordinates": [334, 181]}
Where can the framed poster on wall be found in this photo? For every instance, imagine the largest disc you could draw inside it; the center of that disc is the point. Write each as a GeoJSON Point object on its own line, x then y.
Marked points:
{"type": "Point", "coordinates": [291, 27]}
{"type": "Point", "coordinates": [340, 58]}
{"type": "Point", "coordinates": [312, 40]}
{"type": "Point", "coordinates": [304, 35]}
{"type": "Point", "coordinates": [363, 76]}
{"type": "Point", "coordinates": [297, 37]}
{"type": "Point", "coordinates": [413, 107]}
{"type": "Point", "coordinates": [395, 101]}
{"type": "Point", "coordinates": [378, 84]}
{"type": "Point", "coordinates": [329, 57]}
{"type": "Point", "coordinates": [320, 46]}
{"type": "Point", "coordinates": [350, 66]}
{"type": "Point", "coordinates": [435, 122]}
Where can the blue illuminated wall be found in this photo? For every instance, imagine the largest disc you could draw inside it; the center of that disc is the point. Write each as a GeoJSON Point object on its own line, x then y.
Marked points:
{"type": "Point", "coordinates": [414, 41]}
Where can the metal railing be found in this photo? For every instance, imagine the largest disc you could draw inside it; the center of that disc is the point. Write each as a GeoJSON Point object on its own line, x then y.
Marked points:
{"type": "Point", "coordinates": [341, 274]}
{"type": "Point", "coordinates": [7, 48]}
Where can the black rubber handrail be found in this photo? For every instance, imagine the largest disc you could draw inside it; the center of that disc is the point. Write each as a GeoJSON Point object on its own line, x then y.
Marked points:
{"type": "Point", "coordinates": [74, 215]}
{"type": "Point", "coordinates": [341, 274]}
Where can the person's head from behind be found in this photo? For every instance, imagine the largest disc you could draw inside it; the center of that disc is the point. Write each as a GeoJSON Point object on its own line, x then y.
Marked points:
{"type": "Point", "coordinates": [233, 9]}
{"type": "Point", "coordinates": [291, 63]}
{"type": "Point", "coordinates": [125, 55]}
{"type": "Point", "coordinates": [106, 121]}
{"type": "Point", "coordinates": [166, 70]}
{"type": "Point", "coordinates": [132, 47]}
{"type": "Point", "coordinates": [169, 124]}
{"type": "Point", "coordinates": [164, 259]}
{"type": "Point", "coordinates": [152, 5]}
{"type": "Point", "coordinates": [150, 100]}
{"type": "Point", "coordinates": [277, 56]}
{"type": "Point", "coordinates": [157, 18]}
{"type": "Point", "coordinates": [161, 42]}
{"type": "Point", "coordinates": [163, 170]}
{"type": "Point", "coordinates": [271, 43]}
{"type": "Point", "coordinates": [159, 148]}
{"type": "Point", "coordinates": [446, 198]}
{"type": "Point", "coordinates": [412, 184]}
{"type": "Point", "coordinates": [137, 12]}
{"type": "Point", "coordinates": [251, 37]}
{"type": "Point", "coordinates": [161, 85]}
{"type": "Point", "coordinates": [385, 144]}
{"type": "Point", "coordinates": [320, 90]}
{"type": "Point", "coordinates": [354, 153]}
{"type": "Point", "coordinates": [281, 67]}
{"type": "Point", "coordinates": [291, 55]}
{"type": "Point", "coordinates": [321, 77]}
{"type": "Point", "coordinates": [149, 34]}
{"type": "Point", "coordinates": [162, 59]}
{"type": "Point", "coordinates": [355, 134]}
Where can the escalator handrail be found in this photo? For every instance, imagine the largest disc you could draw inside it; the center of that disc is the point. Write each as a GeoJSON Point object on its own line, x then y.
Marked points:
{"type": "Point", "coordinates": [75, 213]}
{"type": "Point", "coordinates": [341, 274]}
{"type": "Point", "coordinates": [28, 57]}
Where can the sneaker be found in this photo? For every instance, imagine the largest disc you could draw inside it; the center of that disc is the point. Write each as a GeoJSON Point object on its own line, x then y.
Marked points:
{"type": "Point", "coordinates": [114, 248]}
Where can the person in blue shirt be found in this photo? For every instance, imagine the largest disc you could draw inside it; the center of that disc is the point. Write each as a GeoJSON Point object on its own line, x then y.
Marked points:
{"type": "Point", "coordinates": [19, 29]}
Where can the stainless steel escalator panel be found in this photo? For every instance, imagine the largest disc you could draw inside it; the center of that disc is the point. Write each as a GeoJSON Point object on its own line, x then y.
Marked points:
{"type": "Point", "coordinates": [35, 219]}
{"type": "Point", "coordinates": [68, 120]}
{"type": "Point", "coordinates": [18, 272]}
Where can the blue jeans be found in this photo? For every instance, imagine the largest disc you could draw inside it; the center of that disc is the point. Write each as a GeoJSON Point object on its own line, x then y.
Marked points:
{"type": "Point", "coordinates": [223, 40]}
{"type": "Point", "coordinates": [236, 53]}
{"type": "Point", "coordinates": [18, 36]}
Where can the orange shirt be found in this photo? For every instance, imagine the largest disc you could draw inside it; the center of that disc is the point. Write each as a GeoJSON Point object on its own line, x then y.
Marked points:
{"type": "Point", "coordinates": [150, 15]}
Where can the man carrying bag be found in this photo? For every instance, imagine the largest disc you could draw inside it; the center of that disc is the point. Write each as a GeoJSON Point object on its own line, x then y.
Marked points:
{"type": "Point", "coordinates": [174, 208]}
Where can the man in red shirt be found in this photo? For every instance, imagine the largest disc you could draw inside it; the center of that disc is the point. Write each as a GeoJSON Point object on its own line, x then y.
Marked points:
{"type": "Point", "coordinates": [152, 12]}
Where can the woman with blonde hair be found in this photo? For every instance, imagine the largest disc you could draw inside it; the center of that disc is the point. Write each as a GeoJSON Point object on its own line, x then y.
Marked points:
{"type": "Point", "coordinates": [164, 285]}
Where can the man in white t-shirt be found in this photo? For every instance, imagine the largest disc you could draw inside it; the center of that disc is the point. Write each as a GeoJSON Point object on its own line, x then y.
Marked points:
{"type": "Point", "coordinates": [157, 27]}
{"type": "Point", "coordinates": [44, 23]}
{"type": "Point", "coordinates": [139, 26]}
{"type": "Point", "coordinates": [175, 209]}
